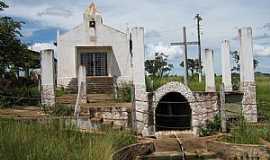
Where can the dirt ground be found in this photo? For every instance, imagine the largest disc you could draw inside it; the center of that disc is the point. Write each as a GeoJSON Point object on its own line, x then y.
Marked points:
{"type": "Point", "coordinates": [22, 112]}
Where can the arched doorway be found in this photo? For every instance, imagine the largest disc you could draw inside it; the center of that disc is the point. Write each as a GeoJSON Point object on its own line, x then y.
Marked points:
{"type": "Point", "coordinates": [173, 112]}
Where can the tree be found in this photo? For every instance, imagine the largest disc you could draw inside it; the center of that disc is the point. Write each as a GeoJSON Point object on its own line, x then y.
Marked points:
{"type": "Point", "coordinates": [236, 59]}
{"type": "Point", "coordinates": [192, 65]}
{"type": "Point", "coordinates": [14, 55]}
{"type": "Point", "coordinates": [3, 5]}
{"type": "Point", "coordinates": [158, 67]}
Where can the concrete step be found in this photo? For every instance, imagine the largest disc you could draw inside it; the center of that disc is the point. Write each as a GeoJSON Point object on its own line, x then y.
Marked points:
{"type": "Point", "coordinates": [166, 145]}
{"type": "Point", "coordinates": [162, 156]}
{"type": "Point", "coordinates": [92, 98]}
{"type": "Point", "coordinates": [174, 155]}
{"type": "Point", "coordinates": [94, 85]}
{"type": "Point", "coordinates": [106, 105]}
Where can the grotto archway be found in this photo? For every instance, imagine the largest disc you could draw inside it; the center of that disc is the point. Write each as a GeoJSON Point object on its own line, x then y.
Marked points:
{"type": "Point", "coordinates": [173, 112]}
{"type": "Point", "coordinates": [183, 105]}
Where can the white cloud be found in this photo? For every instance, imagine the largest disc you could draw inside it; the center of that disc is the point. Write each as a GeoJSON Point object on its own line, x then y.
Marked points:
{"type": "Point", "coordinates": [47, 15]}
{"type": "Point", "coordinates": [171, 51]}
{"type": "Point", "coordinates": [262, 51]}
{"type": "Point", "coordinates": [42, 46]}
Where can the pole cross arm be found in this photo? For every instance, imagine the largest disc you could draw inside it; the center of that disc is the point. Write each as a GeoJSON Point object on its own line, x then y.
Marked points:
{"type": "Point", "coordinates": [183, 43]}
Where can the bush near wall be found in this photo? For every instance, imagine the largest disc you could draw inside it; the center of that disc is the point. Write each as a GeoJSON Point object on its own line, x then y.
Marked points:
{"type": "Point", "coordinates": [124, 92]}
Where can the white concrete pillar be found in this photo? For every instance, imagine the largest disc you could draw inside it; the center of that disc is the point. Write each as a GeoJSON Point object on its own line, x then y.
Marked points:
{"type": "Point", "coordinates": [47, 78]}
{"type": "Point", "coordinates": [247, 77]}
{"type": "Point", "coordinates": [226, 66]}
{"type": "Point", "coordinates": [141, 107]}
{"type": "Point", "coordinates": [246, 55]}
{"type": "Point", "coordinates": [137, 37]}
{"type": "Point", "coordinates": [82, 83]}
{"type": "Point", "coordinates": [210, 85]}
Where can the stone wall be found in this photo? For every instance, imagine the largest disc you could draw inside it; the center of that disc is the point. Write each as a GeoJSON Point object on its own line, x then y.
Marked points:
{"type": "Point", "coordinates": [249, 101]}
{"type": "Point", "coordinates": [116, 116]}
{"type": "Point", "coordinates": [207, 106]}
{"type": "Point", "coordinates": [204, 106]}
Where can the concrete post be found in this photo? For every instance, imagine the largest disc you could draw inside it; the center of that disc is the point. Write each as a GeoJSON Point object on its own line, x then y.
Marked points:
{"type": "Point", "coordinates": [210, 85]}
{"type": "Point", "coordinates": [47, 78]}
{"type": "Point", "coordinates": [226, 66]}
{"type": "Point", "coordinates": [141, 107]}
{"type": "Point", "coordinates": [247, 78]}
{"type": "Point", "coordinates": [82, 81]}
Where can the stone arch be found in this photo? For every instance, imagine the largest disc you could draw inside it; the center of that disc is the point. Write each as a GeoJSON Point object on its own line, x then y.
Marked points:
{"type": "Point", "coordinates": [176, 87]}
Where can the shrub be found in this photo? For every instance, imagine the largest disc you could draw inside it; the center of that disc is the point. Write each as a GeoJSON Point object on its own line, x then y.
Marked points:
{"type": "Point", "coordinates": [59, 92]}
{"type": "Point", "coordinates": [124, 92]}
{"type": "Point", "coordinates": [62, 110]}
{"type": "Point", "coordinates": [211, 127]}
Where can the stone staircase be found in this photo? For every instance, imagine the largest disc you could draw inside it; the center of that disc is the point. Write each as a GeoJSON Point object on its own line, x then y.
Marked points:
{"type": "Point", "coordinates": [101, 109]}
{"type": "Point", "coordinates": [95, 85]}
{"type": "Point", "coordinates": [99, 85]}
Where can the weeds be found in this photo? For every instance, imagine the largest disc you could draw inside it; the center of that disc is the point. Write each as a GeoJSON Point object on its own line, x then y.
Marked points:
{"type": "Point", "coordinates": [211, 127]}
{"type": "Point", "coordinates": [57, 140]}
{"type": "Point", "coordinates": [124, 92]}
{"type": "Point", "coordinates": [62, 110]}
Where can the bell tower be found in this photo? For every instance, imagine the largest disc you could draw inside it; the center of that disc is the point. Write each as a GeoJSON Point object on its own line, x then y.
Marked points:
{"type": "Point", "coordinates": [92, 19]}
{"type": "Point", "coordinates": [92, 16]}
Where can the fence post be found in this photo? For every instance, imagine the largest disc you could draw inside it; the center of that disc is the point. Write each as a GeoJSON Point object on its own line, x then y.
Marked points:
{"type": "Point", "coordinates": [222, 109]}
{"type": "Point", "coordinates": [133, 109]}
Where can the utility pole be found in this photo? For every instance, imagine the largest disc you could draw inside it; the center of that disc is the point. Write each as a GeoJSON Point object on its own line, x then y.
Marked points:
{"type": "Point", "coordinates": [199, 18]}
{"type": "Point", "coordinates": [185, 44]}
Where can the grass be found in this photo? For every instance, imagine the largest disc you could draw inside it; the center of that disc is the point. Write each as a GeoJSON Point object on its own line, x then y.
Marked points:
{"type": "Point", "coordinates": [263, 94]}
{"type": "Point", "coordinates": [246, 133]}
{"type": "Point", "coordinates": [56, 140]}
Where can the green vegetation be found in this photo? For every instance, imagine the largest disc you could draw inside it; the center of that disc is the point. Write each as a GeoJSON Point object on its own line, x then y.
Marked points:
{"type": "Point", "coordinates": [60, 92]}
{"type": "Point", "coordinates": [19, 95]}
{"type": "Point", "coordinates": [14, 54]}
{"type": "Point", "coordinates": [124, 92]}
{"type": "Point", "coordinates": [62, 110]}
{"type": "Point", "coordinates": [263, 94]}
{"type": "Point", "coordinates": [211, 127]}
{"type": "Point", "coordinates": [57, 140]}
{"type": "Point", "coordinates": [15, 58]}
{"type": "Point", "coordinates": [246, 133]}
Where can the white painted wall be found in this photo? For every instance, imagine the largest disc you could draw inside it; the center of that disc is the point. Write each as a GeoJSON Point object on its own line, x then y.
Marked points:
{"type": "Point", "coordinates": [119, 57]}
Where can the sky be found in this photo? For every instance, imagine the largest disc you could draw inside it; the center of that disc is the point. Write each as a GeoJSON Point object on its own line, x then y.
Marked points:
{"type": "Point", "coordinates": [162, 20]}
